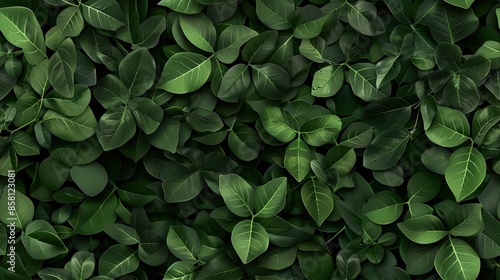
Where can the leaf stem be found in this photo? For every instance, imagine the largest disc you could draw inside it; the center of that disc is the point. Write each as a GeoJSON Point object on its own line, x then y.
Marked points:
{"type": "Point", "coordinates": [336, 234]}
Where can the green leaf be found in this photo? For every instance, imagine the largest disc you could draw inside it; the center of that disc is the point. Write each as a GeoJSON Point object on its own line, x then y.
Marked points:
{"type": "Point", "coordinates": [70, 107]}
{"type": "Point", "coordinates": [237, 194]}
{"type": "Point", "coordinates": [313, 49]}
{"type": "Point", "coordinates": [230, 41]}
{"type": "Point", "coordinates": [390, 112]}
{"type": "Point", "coordinates": [70, 22]}
{"type": "Point", "coordinates": [465, 172]}
{"type": "Point", "coordinates": [483, 121]}
{"type": "Point", "coordinates": [249, 239]}
{"type": "Point", "coordinates": [383, 208]}
{"type": "Point", "coordinates": [147, 114]}
{"type": "Point", "coordinates": [278, 258]}
{"type": "Point", "coordinates": [183, 7]}
{"type": "Point", "coordinates": [39, 77]}
{"type": "Point", "coordinates": [423, 187]}
{"type": "Point", "coordinates": [362, 78]}
{"type": "Point", "coordinates": [20, 27]}
{"type": "Point", "coordinates": [94, 214]}
{"type": "Point", "coordinates": [199, 30]}
{"type": "Point", "coordinates": [203, 120]}
{"type": "Point", "coordinates": [24, 144]}
{"type": "Point", "coordinates": [420, 258]}
{"type": "Point", "coordinates": [135, 194]}
{"type": "Point", "coordinates": [270, 80]}
{"type": "Point", "coordinates": [234, 83]}
{"type": "Point", "coordinates": [426, 229]}
{"type": "Point", "coordinates": [363, 18]}
{"type": "Point", "coordinates": [357, 135]}
{"type": "Point", "coordinates": [386, 149]}
{"type": "Point", "coordinates": [450, 24]}
{"type": "Point", "coordinates": [115, 128]}
{"type": "Point", "coordinates": [184, 243]}
{"type": "Point", "coordinates": [321, 130]}
{"type": "Point", "coordinates": [41, 241]}
{"type": "Point", "coordinates": [464, 4]}
{"type": "Point", "coordinates": [91, 178]}
{"type": "Point", "coordinates": [221, 268]}
{"type": "Point", "coordinates": [150, 31]}
{"type": "Point", "coordinates": [63, 66]}
{"type": "Point", "coordinates": [82, 265]}
{"type": "Point", "coordinates": [71, 129]}
{"type": "Point", "coordinates": [180, 270]}
{"type": "Point", "coordinates": [275, 14]}
{"type": "Point", "coordinates": [488, 240]}
{"type": "Point", "coordinates": [466, 220]}
{"type": "Point", "coordinates": [309, 22]}
{"type": "Point", "coordinates": [298, 159]}
{"type": "Point", "coordinates": [137, 71]}
{"type": "Point", "coordinates": [118, 260]}
{"type": "Point", "coordinates": [185, 72]}
{"type": "Point", "coordinates": [279, 123]}
{"type": "Point", "coordinates": [457, 260]}
{"type": "Point", "coordinates": [461, 93]}
{"type": "Point", "coordinates": [318, 199]}
{"type": "Point", "coordinates": [448, 56]}
{"type": "Point", "coordinates": [166, 137]}
{"type": "Point", "coordinates": [449, 128]}
{"type": "Point", "coordinates": [183, 186]}
{"type": "Point", "coordinates": [244, 142]}
{"type": "Point", "coordinates": [327, 81]}
{"type": "Point", "coordinates": [387, 69]}
{"type": "Point", "coordinates": [103, 14]}
{"type": "Point", "coordinates": [23, 209]}
{"type": "Point", "coordinates": [340, 159]}
{"type": "Point", "coordinates": [270, 198]}
{"type": "Point", "coordinates": [111, 92]}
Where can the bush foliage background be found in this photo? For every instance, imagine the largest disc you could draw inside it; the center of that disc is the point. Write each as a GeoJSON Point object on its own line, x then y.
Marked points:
{"type": "Point", "coordinates": [267, 139]}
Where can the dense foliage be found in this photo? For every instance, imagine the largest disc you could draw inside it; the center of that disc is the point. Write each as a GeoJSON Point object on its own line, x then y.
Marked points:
{"type": "Point", "coordinates": [253, 139]}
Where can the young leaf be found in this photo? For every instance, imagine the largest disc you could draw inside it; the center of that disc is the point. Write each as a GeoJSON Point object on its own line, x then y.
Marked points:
{"type": "Point", "coordinates": [318, 199]}
{"type": "Point", "coordinates": [249, 239]}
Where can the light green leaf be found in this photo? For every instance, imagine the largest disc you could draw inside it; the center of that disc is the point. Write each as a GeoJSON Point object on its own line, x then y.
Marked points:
{"type": "Point", "coordinates": [270, 198]}
{"type": "Point", "coordinates": [103, 14]}
{"type": "Point", "coordinates": [237, 194]}
{"type": "Point", "coordinates": [115, 128]}
{"type": "Point", "coordinates": [426, 229]}
{"type": "Point", "coordinates": [362, 78]}
{"type": "Point", "coordinates": [423, 186]}
{"type": "Point", "coordinates": [71, 129]}
{"type": "Point", "coordinates": [456, 259]}
{"type": "Point", "coordinates": [183, 7]}
{"type": "Point", "coordinates": [270, 80]}
{"type": "Point", "coordinates": [298, 159]}
{"type": "Point", "coordinates": [466, 220]}
{"type": "Point", "coordinates": [180, 270]}
{"type": "Point", "coordinates": [318, 199]}
{"type": "Point", "coordinates": [384, 207]}
{"type": "Point", "coordinates": [321, 130]}
{"type": "Point", "coordinates": [465, 172]}
{"type": "Point", "coordinates": [23, 210]}
{"type": "Point", "coordinates": [184, 243]}
{"type": "Point", "coordinates": [357, 135]}
{"type": "Point", "coordinates": [327, 81]}
{"type": "Point", "coordinates": [464, 4]}
{"type": "Point", "coordinates": [185, 72]}
{"type": "Point", "coordinates": [91, 178]}
{"type": "Point", "coordinates": [249, 239]}
{"type": "Point", "coordinates": [118, 260]}
{"type": "Point", "coordinates": [279, 123]}
{"type": "Point", "coordinates": [449, 128]}
{"type": "Point", "coordinates": [199, 30]}
{"type": "Point", "coordinates": [62, 65]}
{"type": "Point", "coordinates": [20, 27]}
{"type": "Point", "coordinates": [24, 144]}
{"type": "Point", "coordinates": [82, 265]}
{"type": "Point", "coordinates": [483, 121]}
